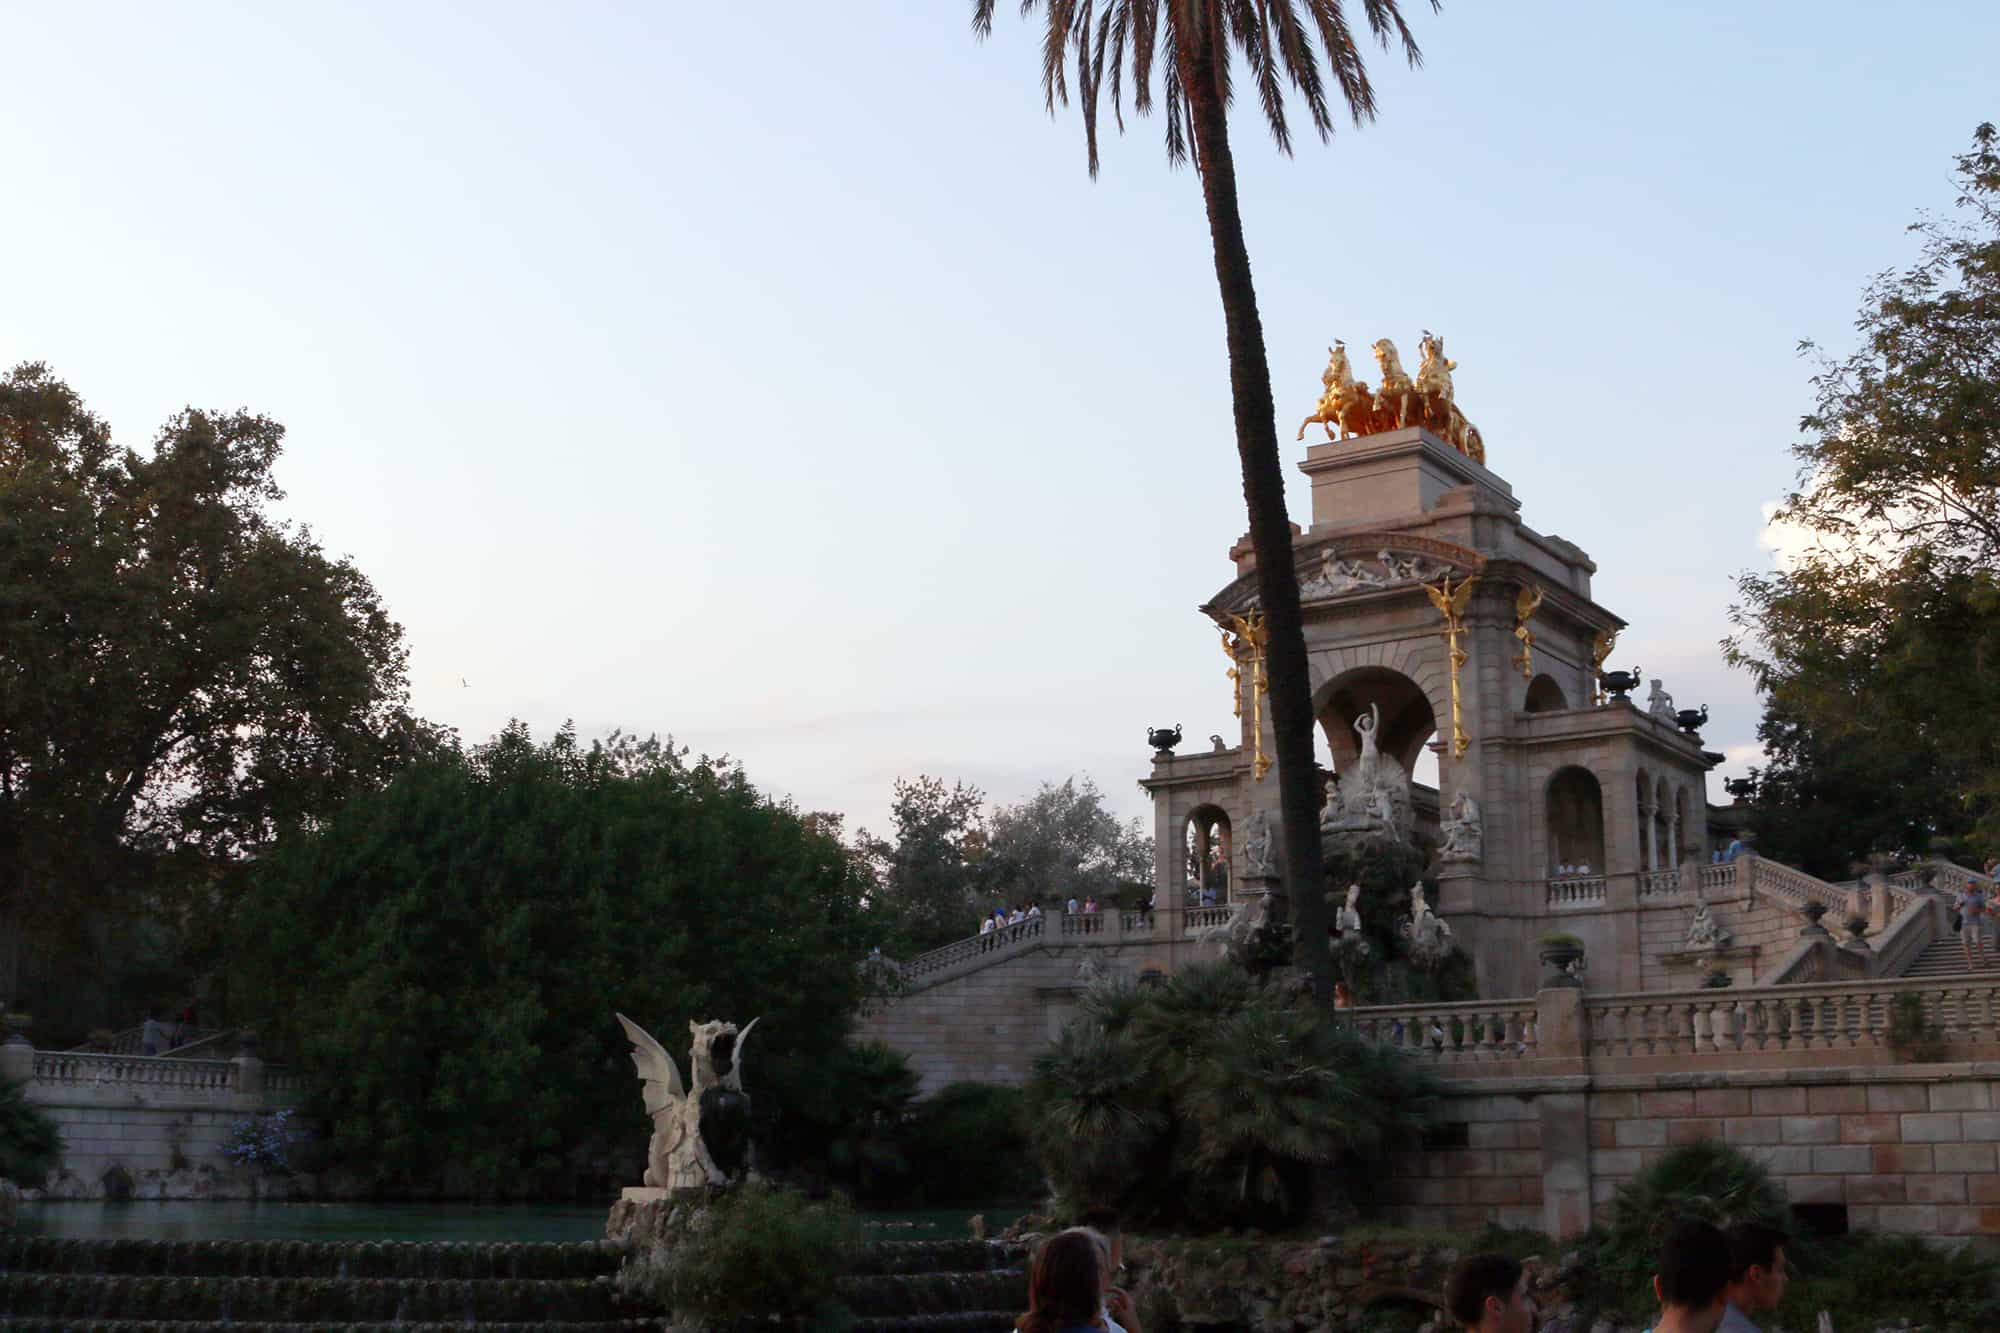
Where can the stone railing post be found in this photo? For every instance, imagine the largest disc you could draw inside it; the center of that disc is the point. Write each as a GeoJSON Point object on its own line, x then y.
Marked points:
{"type": "Point", "coordinates": [1878, 902]}
{"type": "Point", "coordinates": [1560, 1033]}
{"type": "Point", "coordinates": [249, 1081]}
{"type": "Point", "coordinates": [17, 1055]}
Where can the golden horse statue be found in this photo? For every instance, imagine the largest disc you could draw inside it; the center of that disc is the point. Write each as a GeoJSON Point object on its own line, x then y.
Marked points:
{"type": "Point", "coordinates": [1397, 402]}
{"type": "Point", "coordinates": [1439, 409]}
{"type": "Point", "coordinates": [1346, 404]}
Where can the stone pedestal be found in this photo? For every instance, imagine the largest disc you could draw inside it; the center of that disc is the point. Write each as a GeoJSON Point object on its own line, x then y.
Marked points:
{"type": "Point", "coordinates": [645, 1217]}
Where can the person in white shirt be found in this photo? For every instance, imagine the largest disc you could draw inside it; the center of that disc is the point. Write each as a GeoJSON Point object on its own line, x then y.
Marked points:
{"type": "Point", "coordinates": [1072, 907]}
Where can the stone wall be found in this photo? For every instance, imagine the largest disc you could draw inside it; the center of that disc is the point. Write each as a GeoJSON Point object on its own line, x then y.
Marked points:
{"type": "Point", "coordinates": [988, 1020]}
{"type": "Point", "coordinates": [149, 1127]}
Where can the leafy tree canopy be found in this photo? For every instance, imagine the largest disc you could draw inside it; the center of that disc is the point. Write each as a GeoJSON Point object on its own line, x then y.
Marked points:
{"type": "Point", "coordinates": [1877, 647]}
{"type": "Point", "coordinates": [444, 956]}
{"type": "Point", "coordinates": [180, 673]}
{"type": "Point", "coordinates": [1061, 843]}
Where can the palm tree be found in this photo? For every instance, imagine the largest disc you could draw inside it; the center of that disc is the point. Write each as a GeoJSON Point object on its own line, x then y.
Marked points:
{"type": "Point", "coordinates": [1280, 42]}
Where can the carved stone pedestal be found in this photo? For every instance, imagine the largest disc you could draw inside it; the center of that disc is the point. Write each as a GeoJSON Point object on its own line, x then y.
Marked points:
{"type": "Point", "coordinates": [644, 1216]}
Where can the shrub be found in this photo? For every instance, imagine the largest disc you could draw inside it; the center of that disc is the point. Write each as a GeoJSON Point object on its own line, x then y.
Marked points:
{"type": "Point", "coordinates": [759, 1251]}
{"type": "Point", "coordinates": [30, 1147]}
{"type": "Point", "coordinates": [1868, 1281]}
{"type": "Point", "coordinates": [1711, 1181]}
{"type": "Point", "coordinates": [969, 1145]}
{"type": "Point", "coordinates": [1912, 1036]}
{"type": "Point", "coordinates": [1209, 1100]}
{"type": "Point", "coordinates": [267, 1140]}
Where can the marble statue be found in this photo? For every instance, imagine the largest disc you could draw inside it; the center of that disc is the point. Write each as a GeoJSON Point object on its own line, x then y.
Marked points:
{"type": "Point", "coordinates": [1374, 792]}
{"type": "Point", "coordinates": [701, 1132]}
{"type": "Point", "coordinates": [1260, 856]}
{"type": "Point", "coordinates": [1705, 932]}
{"type": "Point", "coordinates": [1347, 920]}
{"type": "Point", "coordinates": [1429, 937]}
{"type": "Point", "coordinates": [1234, 937]}
{"type": "Point", "coordinates": [1410, 570]}
{"type": "Point", "coordinates": [1464, 836]}
{"type": "Point", "coordinates": [1342, 575]}
{"type": "Point", "coordinates": [1659, 703]}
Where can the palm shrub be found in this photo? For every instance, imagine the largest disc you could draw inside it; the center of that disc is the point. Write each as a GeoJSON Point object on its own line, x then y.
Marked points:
{"type": "Point", "coordinates": [30, 1145]}
{"type": "Point", "coordinates": [1210, 1099]}
{"type": "Point", "coordinates": [968, 1144]}
{"type": "Point", "coordinates": [1707, 1180]}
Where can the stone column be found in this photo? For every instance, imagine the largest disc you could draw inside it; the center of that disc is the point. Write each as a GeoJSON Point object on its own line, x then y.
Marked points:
{"type": "Point", "coordinates": [1648, 843]}
{"type": "Point", "coordinates": [249, 1072]}
{"type": "Point", "coordinates": [1561, 1035]}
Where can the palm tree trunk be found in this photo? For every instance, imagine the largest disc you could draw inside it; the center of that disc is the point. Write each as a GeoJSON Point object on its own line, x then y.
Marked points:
{"type": "Point", "coordinates": [1270, 526]}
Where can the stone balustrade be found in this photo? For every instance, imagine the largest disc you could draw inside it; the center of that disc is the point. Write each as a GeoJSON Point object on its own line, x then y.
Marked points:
{"type": "Point", "coordinates": [1479, 1032]}
{"type": "Point", "coordinates": [91, 1069]}
{"type": "Point", "coordinates": [1197, 919]}
{"type": "Point", "coordinates": [1719, 880]}
{"type": "Point", "coordinates": [1572, 891]}
{"type": "Point", "coordinates": [1658, 884]}
{"type": "Point", "coordinates": [1829, 1024]}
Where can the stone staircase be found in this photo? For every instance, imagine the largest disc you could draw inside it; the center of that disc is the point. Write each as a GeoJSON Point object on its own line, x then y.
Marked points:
{"type": "Point", "coordinates": [1945, 957]}
{"type": "Point", "coordinates": [143, 1286]}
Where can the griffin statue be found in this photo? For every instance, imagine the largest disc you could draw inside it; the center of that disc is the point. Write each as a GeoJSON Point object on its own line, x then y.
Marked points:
{"type": "Point", "coordinates": [701, 1134]}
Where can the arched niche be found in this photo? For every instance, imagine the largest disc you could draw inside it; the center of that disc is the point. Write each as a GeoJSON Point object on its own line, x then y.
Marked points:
{"type": "Point", "coordinates": [1545, 696]}
{"type": "Point", "coordinates": [1408, 721]}
{"type": "Point", "coordinates": [1574, 803]}
{"type": "Point", "coordinates": [1207, 845]}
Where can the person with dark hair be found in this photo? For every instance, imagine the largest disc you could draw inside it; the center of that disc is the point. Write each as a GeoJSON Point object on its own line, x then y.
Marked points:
{"type": "Point", "coordinates": [1692, 1278]}
{"type": "Point", "coordinates": [1117, 1312]}
{"type": "Point", "coordinates": [1758, 1273]}
{"type": "Point", "coordinates": [1488, 1293]}
{"type": "Point", "coordinates": [1063, 1286]}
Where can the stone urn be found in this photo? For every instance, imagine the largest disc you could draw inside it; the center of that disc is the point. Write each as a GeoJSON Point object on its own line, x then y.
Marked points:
{"type": "Point", "coordinates": [1563, 956]}
{"type": "Point", "coordinates": [1812, 912]}
{"type": "Point", "coordinates": [1163, 740]}
{"type": "Point", "coordinates": [1618, 684]}
{"type": "Point", "coordinates": [1692, 720]}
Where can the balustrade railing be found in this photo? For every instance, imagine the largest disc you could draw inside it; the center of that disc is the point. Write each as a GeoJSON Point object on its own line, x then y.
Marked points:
{"type": "Point", "coordinates": [1205, 918]}
{"type": "Point", "coordinates": [1136, 923]}
{"type": "Point", "coordinates": [1832, 1016]}
{"type": "Point", "coordinates": [951, 955]}
{"type": "Point", "coordinates": [1659, 884]}
{"type": "Point", "coordinates": [1775, 877]}
{"type": "Point", "coordinates": [1716, 878]}
{"type": "Point", "coordinates": [1083, 923]}
{"type": "Point", "coordinates": [1577, 892]}
{"type": "Point", "coordinates": [1478, 1032]}
{"type": "Point", "coordinates": [88, 1068]}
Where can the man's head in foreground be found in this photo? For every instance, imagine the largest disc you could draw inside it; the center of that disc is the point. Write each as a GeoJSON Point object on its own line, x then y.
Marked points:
{"type": "Point", "coordinates": [1758, 1270]}
{"type": "Point", "coordinates": [1488, 1293]}
{"type": "Point", "coordinates": [1693, 1278]}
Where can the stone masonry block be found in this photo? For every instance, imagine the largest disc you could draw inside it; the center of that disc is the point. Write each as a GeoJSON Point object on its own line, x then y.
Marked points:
{"type": "Point", "coordinates": [1960, 1220]}
{"type": "Point", "coordinates": [1678, 1102]}
{"type": "Point", "coordinates": [1915, 1219]}
{"type": "Point", "coordinates": [1613, 1105]}
{"type": "Point", "coordinates": [1603, 1133]}
{"type": "Point", "coordinates": [1722, 1101]}
{"type": "Point", "coordinates": [1518, 1162]}
{"type": "Point", "coordinates": [1505, 1134]}
{"type": "Point", "coordinates": [1983, 1189]}
{"type": "Point", "coordinates": [1837, 1099]}
{"type": "Point", "coordinates": [1967, 1157]}
{"type": "Point", "coordinates": [1961, 1096]}
{"type": "Point", "coordinates": [1982, 1126]}
{"type": "Point", "coordinates": [1753, 1129]}
{"type": "Point", "coordinates": [1811, 1128]}
{"type": "Point", "coordinates": [1692, 1131]}
{"type": "Point", "coordinates": [1896, 1158]}
{"type": "Point", "coordinates": [1783, 1161]}
{"type": "Point", "coordinates": [1814, 1189]}
{"type": "Point", "coordinates": [1898, 1097]}
{"type": "Point", "coordinates": [1931, 1126]}
{"type": "Point", "coordinates": [1614, 1162]}
{"type": "Point", "coordinates": [1849, 1159]}
{"type": "Point", "coordinates": [1640, 1133]}
{"type": "Point", "coordinates": [1883, 1128]}
{"type": "Point", "coordinates": [1778, 1101]}
{"type": "Point", "coordinates": [1936, 1189]}
{"type": "Point", "coordinates": [1875, 1189]}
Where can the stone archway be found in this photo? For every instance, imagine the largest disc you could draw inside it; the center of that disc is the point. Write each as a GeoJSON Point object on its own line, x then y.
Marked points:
{"type": "Point", "coordinates": [1207, 866]}
{"type": "Point", "coordinates": [1574, 805]}
{"type": "Point", "coordinates": [1408, 720]}
{"type": "Point", "coordinates": [1545, 696]}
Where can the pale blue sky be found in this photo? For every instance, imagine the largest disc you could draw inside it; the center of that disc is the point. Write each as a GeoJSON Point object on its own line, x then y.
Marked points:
{"type": "Point", "coordinates": [775, 377]}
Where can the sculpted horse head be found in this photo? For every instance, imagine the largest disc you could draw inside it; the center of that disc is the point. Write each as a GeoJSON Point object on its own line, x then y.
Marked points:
{"type": "Point", "coordinates": [1390, 363]}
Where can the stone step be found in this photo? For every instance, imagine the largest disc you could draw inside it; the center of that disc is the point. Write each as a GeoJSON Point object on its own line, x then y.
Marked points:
{"type": "Point", "coordinates": [443, 1260]}
{"type": "Point", "coordinates": [907, 1294]}
{"type": "Point", "coordinates": [311, 1299]}
{"type": "Point", "coordinates": [939, 1256]}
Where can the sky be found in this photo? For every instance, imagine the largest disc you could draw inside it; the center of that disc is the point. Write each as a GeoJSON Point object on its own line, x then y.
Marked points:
{"type": "Point", "coordinates": [776, 378]}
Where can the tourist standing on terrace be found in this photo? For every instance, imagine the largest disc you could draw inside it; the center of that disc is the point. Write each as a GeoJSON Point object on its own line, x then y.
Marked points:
{"type": "Point", "coordinates": [1063, 1286]}
{"type": "Point", "coordinates": [1488, 1293]}
{"type": "Point", "coordinates": [1758, 1273]}
{"type": "Point", "coordinates": [1693, 1278]}
{"type": "Point", "coordinates": [153, 1036]}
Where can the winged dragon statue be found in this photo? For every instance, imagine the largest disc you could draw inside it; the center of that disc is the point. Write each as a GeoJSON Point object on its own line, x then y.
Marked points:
{"type": "Point", "coordinates": [701, 1134]}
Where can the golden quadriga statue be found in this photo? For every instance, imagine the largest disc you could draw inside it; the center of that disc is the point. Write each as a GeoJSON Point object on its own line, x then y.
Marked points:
{"type": "Point", "coordinates": [1350, 408]}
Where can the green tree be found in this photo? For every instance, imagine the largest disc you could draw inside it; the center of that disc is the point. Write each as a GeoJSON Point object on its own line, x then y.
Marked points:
{"type": "Point", "coordinates": [181, 674]}
{"type": "Point", "coordinates": [1194, 43]}
{"type": "Point", "coordinates": [443, 957]}
{"type": "Point", "coordinates": [928, 879]}
{"type": "Point", "coordinates": [1062, 842]}
{"type": "Point", "coordinates": [1878, 648]}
